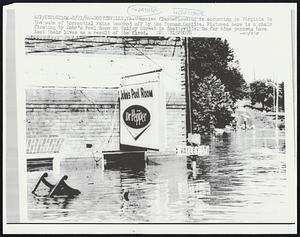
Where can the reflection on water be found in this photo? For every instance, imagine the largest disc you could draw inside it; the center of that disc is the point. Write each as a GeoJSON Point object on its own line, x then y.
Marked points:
{"type": "Point", "coordinates": [242, 180]}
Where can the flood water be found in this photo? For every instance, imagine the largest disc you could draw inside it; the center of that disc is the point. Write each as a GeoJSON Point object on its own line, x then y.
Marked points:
{"type": "Point", "coordinates": [242, 180]}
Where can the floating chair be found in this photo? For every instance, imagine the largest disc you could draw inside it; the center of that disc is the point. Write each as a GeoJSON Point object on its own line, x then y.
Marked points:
{"type": "Point", "coordinates": [60, 189]}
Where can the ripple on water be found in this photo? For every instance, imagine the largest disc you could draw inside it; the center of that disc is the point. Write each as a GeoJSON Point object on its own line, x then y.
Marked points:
{"type": "Point", "coordinates": [243, 179]}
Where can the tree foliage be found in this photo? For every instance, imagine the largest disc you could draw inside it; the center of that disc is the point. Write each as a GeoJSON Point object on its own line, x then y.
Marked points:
{"type": "Point", "coordinates": [264, 93]}
{"type": "Point", "coordinates": [212, 105]}
{"type": "Point", "coordinates": [214, 56]}
{"type": "Point", "coordinates": [216, 83]}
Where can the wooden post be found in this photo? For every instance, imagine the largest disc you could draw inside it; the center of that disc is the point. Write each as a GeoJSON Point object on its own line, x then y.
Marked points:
{"type": "Point", "coordinates": [189, 125]}
{"type": "Point", "coordinates": [274, 107]}
{"type": "Point", "coordinates": [277, 104]}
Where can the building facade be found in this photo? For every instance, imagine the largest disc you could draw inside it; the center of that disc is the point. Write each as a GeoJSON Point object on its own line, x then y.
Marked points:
{"type": "Point", "coordinates": [72, 90]}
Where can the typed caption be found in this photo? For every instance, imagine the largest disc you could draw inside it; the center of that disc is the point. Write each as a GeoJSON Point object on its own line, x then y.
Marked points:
{"type": "Point", "coordinates": [154, 25]}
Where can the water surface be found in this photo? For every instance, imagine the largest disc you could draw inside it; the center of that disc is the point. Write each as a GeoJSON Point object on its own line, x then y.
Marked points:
{"type": "Point", "coordinates": [242, 180]}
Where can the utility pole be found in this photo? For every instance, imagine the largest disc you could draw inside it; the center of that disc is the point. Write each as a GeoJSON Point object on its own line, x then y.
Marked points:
{"type": "Point", "coordinates": [274, 96]}
{"type": "Point", "coordinates": [276, 86]}
{"type": "Point", "coordinates": [277, 105]}
{"type": "Point", "coordinates": [188, 87]}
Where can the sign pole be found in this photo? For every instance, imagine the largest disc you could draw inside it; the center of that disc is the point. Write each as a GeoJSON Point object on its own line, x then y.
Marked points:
{"type": "Point", "coordinates": [188, 87]}
{"type": "Point", "coordinates": [277, 104]}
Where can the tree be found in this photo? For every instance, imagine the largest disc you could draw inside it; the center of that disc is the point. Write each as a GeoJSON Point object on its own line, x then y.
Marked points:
{"type": "Point", "coordinates": [216, 83]}
{"type": "Point", "coordinates": [214, 56]}
{"type": "Point", "coordinates": [212, 105]}
{"type": "Point", "coordinates": [263, 92]}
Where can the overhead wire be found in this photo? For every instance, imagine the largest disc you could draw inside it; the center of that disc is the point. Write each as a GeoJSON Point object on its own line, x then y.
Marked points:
{"type": "Point", "coordinates": [102, 44]}
{"type": "Point", "coordinates": [157, 64]}
{"type": "Point", "coordinates": [114, 114]}
{"type": "Point", "coordinates": [67, 49]}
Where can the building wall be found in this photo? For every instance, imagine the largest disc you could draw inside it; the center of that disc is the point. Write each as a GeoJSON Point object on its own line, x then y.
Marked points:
{"type": "Point", "coordinates": [91, 114]}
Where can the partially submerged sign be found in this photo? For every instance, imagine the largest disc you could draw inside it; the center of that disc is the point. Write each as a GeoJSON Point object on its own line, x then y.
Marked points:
{"type": "Point", "coordinates": [201, 150]}
{"type": "Point", "coordinates": [142, 115]}
{"type": "Point", "coordinates": [194, 138]}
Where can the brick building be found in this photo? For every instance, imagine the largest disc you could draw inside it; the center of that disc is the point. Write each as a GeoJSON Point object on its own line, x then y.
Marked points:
{"type": "Point", "coordinates": [72, 89]}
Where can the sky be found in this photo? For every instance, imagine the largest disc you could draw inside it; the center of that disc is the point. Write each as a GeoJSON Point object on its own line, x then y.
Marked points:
{"type": "Point", "coordinates": [260, 59]}
{"type": "Point", "coordinates": [266, 56]}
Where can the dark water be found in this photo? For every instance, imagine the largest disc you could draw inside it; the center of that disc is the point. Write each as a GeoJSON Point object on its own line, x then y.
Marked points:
{"type": "Point", "coordinates": [242, 180]}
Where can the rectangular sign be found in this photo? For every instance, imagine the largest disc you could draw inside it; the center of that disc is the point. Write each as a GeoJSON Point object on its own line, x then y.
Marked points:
{"type": "Point", "coordinates": [194, 138]}
{"type": "Point", "coordinates": [193, 150]}
{"type": "Point", "coordinates": [142, 113]}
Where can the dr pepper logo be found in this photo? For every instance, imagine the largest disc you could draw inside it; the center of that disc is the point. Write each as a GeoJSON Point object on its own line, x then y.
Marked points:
{"type": "Point", "coordinates": [137, 118]}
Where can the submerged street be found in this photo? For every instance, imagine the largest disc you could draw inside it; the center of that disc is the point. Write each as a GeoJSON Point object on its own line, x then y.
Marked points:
{"type": "Point", "coordinates": [242, 180]}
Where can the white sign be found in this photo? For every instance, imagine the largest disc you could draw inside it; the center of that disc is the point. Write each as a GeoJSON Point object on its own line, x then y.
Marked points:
{"type": "Point", "coordinates": [142, 113]}
{"type": "Point", "coordinates": [193, 150]}
{"type": "Point", "coordinates": [194, 138]}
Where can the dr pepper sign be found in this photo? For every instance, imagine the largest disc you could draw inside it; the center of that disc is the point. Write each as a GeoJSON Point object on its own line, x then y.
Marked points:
{"type": "Point", "coordinates": [142, 115]}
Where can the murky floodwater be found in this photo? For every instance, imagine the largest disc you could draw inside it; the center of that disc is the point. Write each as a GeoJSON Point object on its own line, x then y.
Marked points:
{"type": "Point", "coordinates": [242, 180]}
